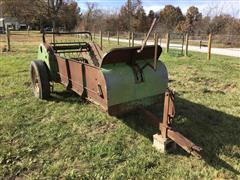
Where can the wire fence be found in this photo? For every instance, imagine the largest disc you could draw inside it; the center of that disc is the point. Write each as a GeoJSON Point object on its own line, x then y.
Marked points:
{"type": "Point", "coordinates": [170, 41]}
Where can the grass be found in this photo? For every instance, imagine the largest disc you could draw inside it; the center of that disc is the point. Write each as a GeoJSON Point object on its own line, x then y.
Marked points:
{"type": "Point", "coordinates": [66, 137]}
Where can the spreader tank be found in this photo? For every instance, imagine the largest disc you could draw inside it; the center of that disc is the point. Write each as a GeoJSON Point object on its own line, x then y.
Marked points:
{"type": "Point", "coordinates": [132, 84]}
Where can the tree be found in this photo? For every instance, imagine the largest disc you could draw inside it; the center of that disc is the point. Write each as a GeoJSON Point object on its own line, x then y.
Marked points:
{"type": "Point", "coordinates": [53, 9]}
{"type": "Point", "coordinates": [111, 22]}
{"type": "Point", "coordinates": [93, 18]}
{"type": "Point", "coordinates": [69, 15]}
{"type": "Point", "coordinates": [170, 16]}
{"type": "Point", "coordinates": [132, 16]}
{"type": "Point", "coordinates": [150, 17]}
{"type": "Point", "coordinates": [43, 12]}
{"type": "Point", "coordinates": [26, 11]}
{"type": "Point", "coordinates": [224, 24]}
{"type": "Point", "coordinates": [140, 20]}
{"type": "Point", "coordinates": [192, 18]}
{"type": "Point", "coordinates": [191, 21]}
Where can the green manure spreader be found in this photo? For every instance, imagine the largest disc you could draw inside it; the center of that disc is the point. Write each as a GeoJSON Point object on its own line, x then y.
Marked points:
{"type": "Point", "coordinates": [122, 80]}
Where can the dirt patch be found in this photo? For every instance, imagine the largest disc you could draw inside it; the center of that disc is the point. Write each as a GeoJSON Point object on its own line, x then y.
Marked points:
{"type": "Point", "coordinates": [27, 84]}
{"type": "Point", "coordinates": [229, 87]}
{"type": "Point", "coordinates": [2, 97]}
{"type": "Point", "coordinates": [105, 128]}
{"type": "Point", "coordinates": [202, 80]}
{"type": "Point", "coordinates": [205, 90]}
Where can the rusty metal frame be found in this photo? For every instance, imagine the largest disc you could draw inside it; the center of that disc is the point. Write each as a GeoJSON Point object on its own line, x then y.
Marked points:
{"type": "Point", "coordinates": [65, 33]}
{"type": "Point", "coordinates": [165, 128]}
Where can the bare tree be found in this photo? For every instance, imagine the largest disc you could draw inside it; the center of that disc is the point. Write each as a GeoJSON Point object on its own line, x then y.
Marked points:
{"type": "Point", "coordinates": [53, 9]}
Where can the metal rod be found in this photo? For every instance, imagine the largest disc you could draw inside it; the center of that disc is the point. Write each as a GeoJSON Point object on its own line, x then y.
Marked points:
{"type": "Point", "coordinates": [148, 34]}
{"type": "Point", "coordinates": [129, 39]}
{"type": "Point", "coordinates": [101, 40]}
{"type": "Point", "coordinates": [118, 38]}
{"type": "Point", "coordinates": [65, 33]}
{"type": "Point", "coordinates": [132, 39]}
{"type": "Point", "coordinates": [155, 51]}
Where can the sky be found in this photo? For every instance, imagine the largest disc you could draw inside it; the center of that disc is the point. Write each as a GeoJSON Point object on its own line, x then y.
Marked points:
{"type": "Point", "coordinates": [231, 7]}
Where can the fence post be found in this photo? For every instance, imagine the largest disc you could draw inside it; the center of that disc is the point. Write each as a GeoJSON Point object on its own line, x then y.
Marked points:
{"type": "Point", "coordinates": [53, 36]}
{"type": "Point", "coordinates": [8, 39]}
{"type": "Point", "coordinates": [101, 40]}
{"type": "Point", "coordinates": [168, 41]}
{"type": "Point", "coordinates": [186, 48]}
{"type": "Point", "coordinates": [129, 39]}
{"type": "Point", "coordinates": [145, 35]}
{"type": "Point", "coordinates": [108, 36]}
{"type": "Point", "coordinates": [132, 39]}
{"type": "Point", "coordinates": [117, 37]}
{"type": "Point", "coordinates": [182, 42]}
{"type": "Point", "coordinates": [28, 29]}
{"type": "Point", "coordinates": [209, 46]}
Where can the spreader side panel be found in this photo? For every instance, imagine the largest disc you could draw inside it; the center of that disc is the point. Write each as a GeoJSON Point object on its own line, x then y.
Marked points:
{"type": "Point", "coordinates": [95, 86]}
{"type": "Point", "coordinates": [122, 89]}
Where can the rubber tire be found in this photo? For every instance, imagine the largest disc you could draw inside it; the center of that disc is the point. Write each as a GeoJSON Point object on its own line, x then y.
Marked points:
{"type": "Point", "coordinates": [41, 74]}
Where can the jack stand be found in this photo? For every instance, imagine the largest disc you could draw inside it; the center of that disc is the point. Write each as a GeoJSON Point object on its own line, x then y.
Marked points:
{"type": "Point", "coordinates": [162, 144]}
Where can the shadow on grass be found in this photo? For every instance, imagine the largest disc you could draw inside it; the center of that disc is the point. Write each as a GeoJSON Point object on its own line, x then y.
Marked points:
{"type": "Point", "coordinates": [216, 132]}
{"type": "Point", "coordinates": [66, 96]}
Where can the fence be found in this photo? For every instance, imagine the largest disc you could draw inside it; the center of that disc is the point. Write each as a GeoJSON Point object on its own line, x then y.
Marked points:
{"type": "Point", "coordinates": [169, 41]}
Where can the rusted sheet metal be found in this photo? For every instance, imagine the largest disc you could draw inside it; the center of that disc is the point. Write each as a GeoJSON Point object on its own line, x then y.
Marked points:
{"type": "Point", "coordinates": [63, 70]}
{"type": "Point", "coordinates": [96, 54]}
{"type": "Point", "coordinates": [85, 80]}
{"type": "Point", "coordinates": [76, 76]}
{"type": "Point", "coordinates": [130, 55]}
{"type": "Point", "coordinates": [95, 86]}
{"type": "Point", "coordinates": [183, 142]}
{"type": "Point", "coordinates": [168, 112]}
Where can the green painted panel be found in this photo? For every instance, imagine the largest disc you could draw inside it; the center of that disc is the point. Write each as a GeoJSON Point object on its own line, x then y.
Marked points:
{"type": "Point", "coordinates": [121, 85]}
{"type": "Point", "coordinates": [50, 60]}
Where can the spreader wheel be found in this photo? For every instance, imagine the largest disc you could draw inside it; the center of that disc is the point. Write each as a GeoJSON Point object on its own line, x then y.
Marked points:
{"type": "Point", "coordinates": [40, 79]}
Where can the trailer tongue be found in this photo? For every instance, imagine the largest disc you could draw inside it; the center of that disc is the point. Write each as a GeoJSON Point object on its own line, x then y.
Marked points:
{"type": "Point", "coordinates": [166, 131]}
{"type": "Point", "coordinates": [119, 81]}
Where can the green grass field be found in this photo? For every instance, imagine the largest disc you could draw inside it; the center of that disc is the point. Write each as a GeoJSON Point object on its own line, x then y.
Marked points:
{"type": "Point", "coordinates": [66, 137]}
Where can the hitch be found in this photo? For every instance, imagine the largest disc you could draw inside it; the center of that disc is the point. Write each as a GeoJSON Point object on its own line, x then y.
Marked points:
{"type": "Point", "coordinates": [166, 131]}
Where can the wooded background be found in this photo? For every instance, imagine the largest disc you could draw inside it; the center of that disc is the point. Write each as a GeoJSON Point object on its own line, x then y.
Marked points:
{"type": "Point", "coordinates": [131, 17]}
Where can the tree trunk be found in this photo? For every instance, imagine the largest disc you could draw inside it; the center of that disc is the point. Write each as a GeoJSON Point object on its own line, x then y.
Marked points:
{"type": "Point", "coordinates": [40, 24]}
